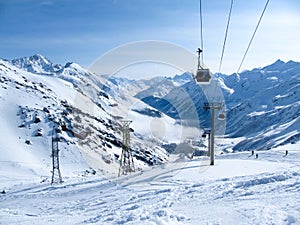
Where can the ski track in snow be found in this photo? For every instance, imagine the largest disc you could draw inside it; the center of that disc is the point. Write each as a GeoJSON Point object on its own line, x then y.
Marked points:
{"type": "Point", "coordinates": [183, 193]}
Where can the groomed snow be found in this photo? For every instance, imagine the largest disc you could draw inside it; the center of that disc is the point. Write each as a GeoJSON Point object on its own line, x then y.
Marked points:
{"type": "Point", "coordinates": [239, 189]}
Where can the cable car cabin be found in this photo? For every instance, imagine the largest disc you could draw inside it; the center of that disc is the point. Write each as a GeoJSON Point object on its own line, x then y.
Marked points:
{"type": "Point", "coordinates": [203, 76]}
{"type": "Point", "coordinates": [221, 116]}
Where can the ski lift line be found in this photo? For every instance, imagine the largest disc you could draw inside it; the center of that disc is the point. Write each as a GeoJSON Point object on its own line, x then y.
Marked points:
{"type": "Point", "coordinates": [224, 43]}
{"type": "Point", "coordinates": [201, 29]}
{"type": "Point", "coordinates": [237, 73]}
{"type": "Point", "coordinates": [203, 75]}
{"type": "Point", "coordinates": [226, 34]}
{"type": "Point", "coordinates": [261, 16]}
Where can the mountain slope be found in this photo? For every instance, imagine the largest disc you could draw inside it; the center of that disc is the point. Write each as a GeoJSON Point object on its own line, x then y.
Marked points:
{"type": "Point", "coordinates": [73, 98]}
{"type": "Point", "coordinates": [262, 105]}
{"type": "Point", "coordinates": [36, 64]}
{"type": "Point", "coordinates": [263, 108]}
{"type": "Point", "coordinates": [243, 190]}
{"type": "Point", "coordinates": [262, 112]}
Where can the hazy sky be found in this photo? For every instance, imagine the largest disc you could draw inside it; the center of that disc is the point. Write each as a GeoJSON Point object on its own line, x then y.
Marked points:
{"type": "Point", "coordinates": [81, 31]}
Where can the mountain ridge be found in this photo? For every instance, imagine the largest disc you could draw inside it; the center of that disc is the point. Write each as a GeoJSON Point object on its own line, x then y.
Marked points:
{"type": "Point", "coordinates": [252, 96]}
{"type": "Point", "coordinates": [89, 134]}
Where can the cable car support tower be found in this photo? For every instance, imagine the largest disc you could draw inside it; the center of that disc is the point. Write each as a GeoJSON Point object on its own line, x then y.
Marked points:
{"type": "Point", "coordinates": [212, 107]}
{"type": "Point", "coordinates": [126, 162]}
{"type": "Point", "coordinates": [56, 175]}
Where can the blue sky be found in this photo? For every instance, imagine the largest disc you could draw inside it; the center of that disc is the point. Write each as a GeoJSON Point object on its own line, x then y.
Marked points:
{"type": "Point", "coordinates": [81, 31]}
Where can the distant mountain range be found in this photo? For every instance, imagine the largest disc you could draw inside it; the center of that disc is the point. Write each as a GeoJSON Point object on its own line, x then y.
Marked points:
{"type": "Point", "coordinates": [262, 105]}
{"type": "Point", "coordinates": [262, 109]}
{"type": "Point", "coordinates": [37, 64]}
{"type": "Point", "coordinates": [265, 106]}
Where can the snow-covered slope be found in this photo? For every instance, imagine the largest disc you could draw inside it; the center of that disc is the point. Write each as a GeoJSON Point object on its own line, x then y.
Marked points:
{"type": "Point", "coordinates": [265, 106]}
{"type": "Point", "coordinates": [158, 87]}
{"type": "Point", "coordinates": [129, 96]}
{"type": "Point", "coordinates": [36, 64]}
{"type": "Point", "coordinates": [239, 189]}
{"type": "Point", "coordinates": [73, 97]}
{"type": "Point", "coordinates": [263, 112]}
{"type": "Point", "coordinates": [262, 108]}
{"type": "Point", "coordinates": [262, 105]}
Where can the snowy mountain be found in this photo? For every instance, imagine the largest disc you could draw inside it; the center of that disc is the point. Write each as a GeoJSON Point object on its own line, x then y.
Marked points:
{"type": "Point", "coordinates": [32, 101]}
{"type": "Point", "coordinates": [262, 112]}
{"type": "Point", "coordinates": [262, 108]}
{"type": "Point", "coordinates": [179, 103]}
{"type": "Point", "coordinates": [36, 64]}
{"type": "Point", "coordinates": [265, 106]}
{"type": "Point", "coordinates": [262, 105]}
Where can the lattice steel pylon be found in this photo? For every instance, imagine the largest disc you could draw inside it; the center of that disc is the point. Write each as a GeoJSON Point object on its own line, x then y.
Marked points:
{"type": "Point", "coordinates": [56, 175]}
{"type": "Point", "coordinates": [126, 162]}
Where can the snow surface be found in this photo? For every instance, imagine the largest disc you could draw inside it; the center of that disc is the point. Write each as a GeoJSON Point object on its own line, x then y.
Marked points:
{"type": "Point", "coordinates": [74, 97]}
{"type": "Point", "coordinates": [239, 189]}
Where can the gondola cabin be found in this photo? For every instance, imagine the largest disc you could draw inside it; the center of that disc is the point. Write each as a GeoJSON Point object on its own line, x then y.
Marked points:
{"type": "Point", "coordinates": [203, 76]}
{"type": "Point", "coordinates": [221, 116]}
